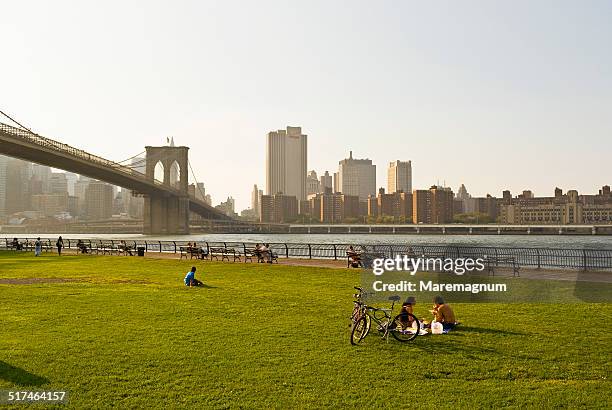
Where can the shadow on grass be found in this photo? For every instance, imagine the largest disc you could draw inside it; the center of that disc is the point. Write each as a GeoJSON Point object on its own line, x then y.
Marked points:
{"type": "Point", "coordinates": [19, 376]}
{"type": "Point", "coordinates": [462, 328]}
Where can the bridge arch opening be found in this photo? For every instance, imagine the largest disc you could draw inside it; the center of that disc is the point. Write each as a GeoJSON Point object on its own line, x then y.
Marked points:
{"type": "Point", "coordinates": [158, 173]}
{"type": "Point", "coordinates": [175, 175]}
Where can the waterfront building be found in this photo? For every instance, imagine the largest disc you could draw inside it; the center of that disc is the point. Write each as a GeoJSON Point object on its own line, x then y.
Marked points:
{"type": "Point", "coordinates": [334, 207]}
{"type": "Point", "coordinates": [399, 177]}
{"type": "Point", "coordinates": [286, 160]}
{"type": "Point", "coordinates": [562, 209]}
{"type": "Point", "coordinates": [278, 208]}
{"type": "Point", "coordinates": [357, 177]}
{"type": "Point", "coordinates": [432, 206]}
{"type": "Point", "coordinates": [50, 204]}
{"type": "Point", "coordinates": [397, 204]}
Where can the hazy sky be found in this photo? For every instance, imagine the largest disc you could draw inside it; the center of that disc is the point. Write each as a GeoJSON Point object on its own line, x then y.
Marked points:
{"type": "Point", "coordinates": [492, 94]}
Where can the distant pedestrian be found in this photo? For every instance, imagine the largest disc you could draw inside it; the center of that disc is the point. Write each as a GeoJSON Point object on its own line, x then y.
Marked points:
{"type": "Point", "coordinates": [60, 245]}
{"type": "Point", "coordinates": [37, 247]}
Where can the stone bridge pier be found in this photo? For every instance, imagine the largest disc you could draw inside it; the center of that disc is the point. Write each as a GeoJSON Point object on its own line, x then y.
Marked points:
{"type": "Point", "coordinates": [167, 214]}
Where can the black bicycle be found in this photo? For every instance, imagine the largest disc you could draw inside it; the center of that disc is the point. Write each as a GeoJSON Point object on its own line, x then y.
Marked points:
{"type": "Point", "coordinates": [404, 327]}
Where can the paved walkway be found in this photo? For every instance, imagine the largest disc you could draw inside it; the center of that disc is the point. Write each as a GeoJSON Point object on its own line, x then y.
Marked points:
{"type": "Point", "coordinates": [525, 273]}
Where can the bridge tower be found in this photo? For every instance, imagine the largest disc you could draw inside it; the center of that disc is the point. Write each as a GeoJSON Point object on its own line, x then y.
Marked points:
{"type": "Point", "coordinates": [165, 214]}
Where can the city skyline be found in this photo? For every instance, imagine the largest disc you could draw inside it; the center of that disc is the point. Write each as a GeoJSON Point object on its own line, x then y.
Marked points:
{"type": "Point", "coordinates": [410, 81]}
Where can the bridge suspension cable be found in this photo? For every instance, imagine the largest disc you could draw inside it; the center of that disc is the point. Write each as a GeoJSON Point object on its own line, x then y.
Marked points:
{"type": "Point", "coordinates": [195, 179]}
{"type": "Point", "coordinates": [23, 127]}
{"type": "Point", "coordinates": [132, 157]}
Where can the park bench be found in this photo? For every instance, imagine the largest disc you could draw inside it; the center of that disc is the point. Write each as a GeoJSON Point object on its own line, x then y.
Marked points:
{"type": "Point", "coordinates": [249, 254]}
{"type": "Point", "coordinates": [493, 262]}
{"type": "Point", "coordinates": [192, 252]}
{"type": "Point", "coordinates": [224, 253]}
{"type": "Point", "coordinates": [107, 248]}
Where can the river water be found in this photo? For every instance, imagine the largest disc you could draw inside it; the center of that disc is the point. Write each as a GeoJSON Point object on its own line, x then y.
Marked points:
{"type": "Point", "coordinates": [513, 241]}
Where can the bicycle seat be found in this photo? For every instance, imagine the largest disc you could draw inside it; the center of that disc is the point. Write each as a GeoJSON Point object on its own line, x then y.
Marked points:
{"type": "Point", "coordinates": [394, 298]}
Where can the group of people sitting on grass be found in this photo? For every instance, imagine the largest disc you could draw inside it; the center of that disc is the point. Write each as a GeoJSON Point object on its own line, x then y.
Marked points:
{"type": "Point", "coordinates": [442, 313]}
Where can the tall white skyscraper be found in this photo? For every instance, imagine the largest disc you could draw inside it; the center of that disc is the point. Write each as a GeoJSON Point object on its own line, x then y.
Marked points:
{"type": "Point", "coordinates": [357, 177]}
{"type": "Point", "coordinates": [399, 177]}
{"type": "Point", "coordinates": [256, 199]}
{"type": "Point", "coordinates": [286, 159]}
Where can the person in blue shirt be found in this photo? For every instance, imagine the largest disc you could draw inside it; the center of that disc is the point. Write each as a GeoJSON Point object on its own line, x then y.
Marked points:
{"type": "Point", "coordinates": [190, 279]}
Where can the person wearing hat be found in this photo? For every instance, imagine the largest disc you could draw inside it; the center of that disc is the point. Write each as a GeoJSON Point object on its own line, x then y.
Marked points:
{"type": "Point", "coordinates": [443, 313]}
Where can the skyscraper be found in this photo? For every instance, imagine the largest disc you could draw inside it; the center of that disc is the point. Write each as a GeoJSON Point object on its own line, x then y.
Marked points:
{"type": "Point", "coordinates": [99, 200]}
{"type": "Point", "coordinates": [313, 186]}
{"type": "Point", "coordinates": [256, 199]}
{"type": "Point", "coordinates": [326, 181]}
{"type": "Point", "coordinates": [399, 177]}
{"type": "Point", "coordinates": [357, 177]}
{"type": "Point", "coordinates": [286, 158]}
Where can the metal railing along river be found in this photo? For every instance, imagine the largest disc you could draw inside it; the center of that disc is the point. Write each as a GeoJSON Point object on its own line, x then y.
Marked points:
{"type": "Point", "coordinates": [578, 259]}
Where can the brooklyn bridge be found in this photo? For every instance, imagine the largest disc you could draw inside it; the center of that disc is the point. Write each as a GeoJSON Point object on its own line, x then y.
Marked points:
{"type": "Point", "coordinates": [167, 203]}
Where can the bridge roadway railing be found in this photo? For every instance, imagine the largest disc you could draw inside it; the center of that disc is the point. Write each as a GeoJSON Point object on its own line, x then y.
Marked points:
{"type": "Point", "coordinates": [576, 259]}
{"type": "Point", "coordinates": [70, 150]}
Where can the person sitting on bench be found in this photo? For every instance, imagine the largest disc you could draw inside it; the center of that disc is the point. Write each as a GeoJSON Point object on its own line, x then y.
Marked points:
{"type": "Point", "coordinates": [443, 313]}
{"type": "Point", "coordinates": [354, 257]}
{"type": "Point", "coordinates": [125, 248]}
{"type": "Point", "coordinates": [81, 246]}
{"type": "Point", "coordinates": [264, 252]}
{"type": "Point", "coordinates": [16, 245]}
{"type": "Point", "coordinates": [190, 279]}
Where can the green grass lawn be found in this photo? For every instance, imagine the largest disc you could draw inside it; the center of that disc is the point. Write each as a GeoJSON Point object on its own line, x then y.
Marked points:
{"type": "Point", "coordinates": [125, 332]}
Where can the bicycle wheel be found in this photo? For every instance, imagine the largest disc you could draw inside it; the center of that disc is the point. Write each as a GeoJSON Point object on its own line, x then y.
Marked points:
{"type": "Point", "coordinates": [358, 332]}
{"type": "Point", "coordinates": [405, 329]}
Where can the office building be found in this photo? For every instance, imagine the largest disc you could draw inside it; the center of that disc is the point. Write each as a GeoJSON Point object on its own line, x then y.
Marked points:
{"type": "Point", "coordinates": [357, 177]}
{"type": "Point", "coordinates": [278, 208]}
{"type": "Point", "coordinates": [327, 181]}
{"type": "Point", "coordinates": [313, 185]}
{"type": "Point", "coordinates": [286, 159]}
{"type": "Point", "coordinates": [58, 183]}
{"type": "Point", "coordinates": [399, 177]}
{"type": "Point", "coordinates": [50, 205]}
{"type": "Point", "coordinates": [228, 207]}
{"type": "Point", "coordinates": [99, 199]}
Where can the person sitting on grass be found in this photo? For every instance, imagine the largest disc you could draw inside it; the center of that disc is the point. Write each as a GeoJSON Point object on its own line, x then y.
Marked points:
{"type": "Point", "coordinates": [443, 313]}
{"type": "Point", "coordinates": [190, 279]}
{"type": "Point", "coordinates": [406, 311]}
